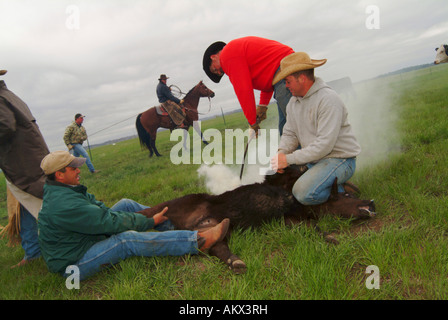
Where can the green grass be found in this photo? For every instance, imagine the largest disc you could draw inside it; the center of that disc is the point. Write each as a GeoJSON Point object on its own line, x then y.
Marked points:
{"type": "Point", "coordinates": [403, 167]}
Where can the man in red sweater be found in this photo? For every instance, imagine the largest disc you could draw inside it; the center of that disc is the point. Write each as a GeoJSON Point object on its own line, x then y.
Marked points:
{"type": "Point", "coordinates": [250, 63]}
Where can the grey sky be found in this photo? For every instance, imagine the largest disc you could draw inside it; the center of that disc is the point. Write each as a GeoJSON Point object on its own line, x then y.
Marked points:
{"type": "Point", "coordinates": [108, 68]}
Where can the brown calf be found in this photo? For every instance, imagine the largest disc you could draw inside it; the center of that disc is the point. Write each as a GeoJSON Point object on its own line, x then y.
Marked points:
{"type": "Point", "coordinates": [251, 205]}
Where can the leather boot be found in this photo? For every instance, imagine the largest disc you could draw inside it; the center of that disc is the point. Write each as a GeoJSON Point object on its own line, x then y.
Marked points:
{"type": "Point", "coordinates": [208, 238]}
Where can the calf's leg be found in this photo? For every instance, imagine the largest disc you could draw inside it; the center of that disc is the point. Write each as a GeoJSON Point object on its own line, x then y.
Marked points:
{"type": "Point", "coordinates": [221, 250]}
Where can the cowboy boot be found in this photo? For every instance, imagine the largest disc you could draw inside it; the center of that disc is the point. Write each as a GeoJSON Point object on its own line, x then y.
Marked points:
{"type": "Point", "coordinates": [210, 237]}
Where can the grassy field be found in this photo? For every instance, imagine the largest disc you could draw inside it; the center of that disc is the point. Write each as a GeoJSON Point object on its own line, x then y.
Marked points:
{"type": "Point", "coordinates": [401, 122]}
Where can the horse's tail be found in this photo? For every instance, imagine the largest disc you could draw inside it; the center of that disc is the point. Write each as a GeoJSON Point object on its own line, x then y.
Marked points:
{"type": "Point", "coordinates": [143, 135]}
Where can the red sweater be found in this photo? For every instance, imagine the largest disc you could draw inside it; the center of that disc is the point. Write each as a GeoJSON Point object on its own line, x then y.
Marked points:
{"type": "Point", "coordinates": [251, 63]}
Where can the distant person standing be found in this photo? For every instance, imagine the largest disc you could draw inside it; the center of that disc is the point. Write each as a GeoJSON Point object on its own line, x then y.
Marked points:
{"type": "Point", "coordinates": [74, 136]}
{"type": "Point", "coordinates": [22, 148]}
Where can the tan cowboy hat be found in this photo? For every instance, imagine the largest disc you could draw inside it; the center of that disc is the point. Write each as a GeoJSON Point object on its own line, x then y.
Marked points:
{"type": "Point", "coordinates": [297, 61]}
{"type": "Point", "coordinates": [58, 160]}
{"type": "Point", "coordinates": [2, 72]}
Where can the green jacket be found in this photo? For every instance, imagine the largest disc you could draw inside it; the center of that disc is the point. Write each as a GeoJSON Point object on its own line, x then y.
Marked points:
{"type": "Point", "coordinates": [75, 133]}
{"type": "Point", "coordinates": [72, 220]}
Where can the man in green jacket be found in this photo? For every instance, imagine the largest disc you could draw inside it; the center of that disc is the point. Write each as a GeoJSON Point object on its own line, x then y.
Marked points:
{"type": "Point", "coordinates": [75, 229]}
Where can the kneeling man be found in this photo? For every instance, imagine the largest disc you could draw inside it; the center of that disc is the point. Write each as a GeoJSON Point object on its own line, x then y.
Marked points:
{"type": "Point", "coordinates": [317, 132]}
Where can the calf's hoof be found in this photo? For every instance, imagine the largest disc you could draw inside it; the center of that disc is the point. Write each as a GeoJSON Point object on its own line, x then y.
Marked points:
{"type": "Point", "coordinates": [236, 265]}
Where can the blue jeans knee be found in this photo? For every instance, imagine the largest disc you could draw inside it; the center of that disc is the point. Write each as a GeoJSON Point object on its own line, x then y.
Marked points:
{"type": "Point", "coordinates": [314, 186]}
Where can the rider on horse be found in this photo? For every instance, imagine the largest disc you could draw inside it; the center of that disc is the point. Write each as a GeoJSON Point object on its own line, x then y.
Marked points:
{"type": "Point", "coordinates": [170, 103]}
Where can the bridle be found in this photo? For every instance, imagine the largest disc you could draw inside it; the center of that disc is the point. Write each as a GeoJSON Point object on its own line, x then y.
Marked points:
{"type": "Point", "coordinates": [196, 111]}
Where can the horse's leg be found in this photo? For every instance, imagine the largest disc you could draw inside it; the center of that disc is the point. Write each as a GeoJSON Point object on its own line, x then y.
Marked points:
{"type": "Point", "coordinates": [152, 131]}
{"type": "Point", "coordinates": [151, 152]}
{"type": "Point", "coordinates": [185, 139]}
{"type": "Point", "coordinates": [153, 146]}
{"type": "Point", "coordinates": [198, 130]}
{"type": "Point", "coordinates": [143, 135]}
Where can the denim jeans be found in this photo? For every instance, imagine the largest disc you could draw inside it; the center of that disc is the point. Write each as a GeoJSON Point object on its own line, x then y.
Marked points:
{"type": "Point", "coordinates": [28, 234]}
{"type": "Point", "coordinates": [131, 243]}
{"type": "Point", "coordinates": [78, 150]}
{"type": "Point", "coordinates": [282, 95]}
{"type": "Point", "coordinates": [314, 186]}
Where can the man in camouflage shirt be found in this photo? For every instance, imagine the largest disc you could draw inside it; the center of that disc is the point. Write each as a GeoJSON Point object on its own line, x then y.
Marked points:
{"type": "Point", "coordinates": [74, 136]}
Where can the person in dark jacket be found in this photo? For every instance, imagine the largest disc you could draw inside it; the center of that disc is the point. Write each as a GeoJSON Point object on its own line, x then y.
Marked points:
{"type": "Point", "coordinates": [170, 102]}
{"type": "Point", "coordinates": [22, 148]}
{"type": "Point", "coordinates": [75, 229]}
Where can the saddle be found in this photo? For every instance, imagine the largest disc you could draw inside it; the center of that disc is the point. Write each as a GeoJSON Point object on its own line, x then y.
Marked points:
{"type": "Point", "coordinates": [161, 111]}
{"type": "Point", "coordinates": [173, 110]}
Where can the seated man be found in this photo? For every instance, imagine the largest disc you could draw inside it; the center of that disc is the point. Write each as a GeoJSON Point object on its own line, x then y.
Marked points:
{"type": "Point", "coordinates": [317, 121]}
{"type": "Point", "coordinates": [76, 229]}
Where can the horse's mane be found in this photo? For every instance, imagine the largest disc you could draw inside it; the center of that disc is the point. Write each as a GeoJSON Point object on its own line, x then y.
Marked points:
{"type": "Point", "coordinates": [191, 90]}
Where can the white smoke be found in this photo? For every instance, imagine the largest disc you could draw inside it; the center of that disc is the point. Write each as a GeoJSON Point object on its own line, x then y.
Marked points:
{"type": "Point", "coordinates": [220, 178]}
{"type": "Point", "coordinates": [373, 116]}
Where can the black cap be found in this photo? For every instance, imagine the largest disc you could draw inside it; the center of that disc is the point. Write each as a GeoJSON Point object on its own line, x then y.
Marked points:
{"type": "Point", "coordinates": [214, 48]}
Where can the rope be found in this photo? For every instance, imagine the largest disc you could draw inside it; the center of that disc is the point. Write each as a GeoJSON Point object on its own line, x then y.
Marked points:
{"type": "Point", "coordinates": [112, 125]}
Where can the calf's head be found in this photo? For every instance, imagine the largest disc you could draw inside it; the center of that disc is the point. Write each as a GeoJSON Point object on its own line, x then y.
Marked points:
{"type": "Point", "coordinates": [339, 204]}
{"type": "Point", "coordinates": [345, 205]}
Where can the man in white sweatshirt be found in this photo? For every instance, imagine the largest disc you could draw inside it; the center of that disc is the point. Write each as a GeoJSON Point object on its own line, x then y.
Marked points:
{"type": "Point", "coordinates": [317, 122]}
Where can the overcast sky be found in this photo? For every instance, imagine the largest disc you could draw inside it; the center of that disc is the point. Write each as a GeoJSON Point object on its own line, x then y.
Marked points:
{"type": "Point", "coordinates": [103, 58]}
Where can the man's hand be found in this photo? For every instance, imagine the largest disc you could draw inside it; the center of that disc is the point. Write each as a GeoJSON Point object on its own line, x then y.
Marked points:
{"type": "Point", "coordinates": [160, 217]}
{"type": "Point", "coordinates": [278, 162]}
{"type": "Point", "coordinates": [70, 146]}
{"type": "Point", "coordinates": [254, 130]}
{"type": "Point", "coordinates": [261, 112]}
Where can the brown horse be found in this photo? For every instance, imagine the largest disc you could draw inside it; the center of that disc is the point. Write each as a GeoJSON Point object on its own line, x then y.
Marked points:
{"type": "Point", "coordinates": [149, 121]}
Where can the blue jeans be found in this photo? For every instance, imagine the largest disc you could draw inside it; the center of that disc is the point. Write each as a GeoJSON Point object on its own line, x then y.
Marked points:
{"type": "Point", "coordinates": [131, 243]}
{"type": "Point", "coordinates": [78, 150]}
{"type": "Point", "coordinates": [282, 95]}
{"type": "Point", "coordinates": [28, 234]}
{"type": "Point", "coordinates": [314, 186]}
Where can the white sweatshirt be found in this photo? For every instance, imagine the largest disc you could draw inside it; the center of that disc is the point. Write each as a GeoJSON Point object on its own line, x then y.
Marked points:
{"type": "Point", "coordinates": [318, 122]}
